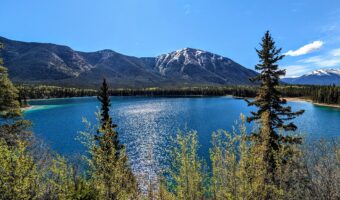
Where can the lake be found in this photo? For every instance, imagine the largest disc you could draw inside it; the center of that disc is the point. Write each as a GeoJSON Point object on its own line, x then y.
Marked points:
{"type": "Point", "coordinates": [146, 123]}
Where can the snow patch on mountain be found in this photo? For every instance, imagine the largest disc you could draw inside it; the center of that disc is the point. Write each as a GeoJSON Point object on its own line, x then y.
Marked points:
{"type": "Point", "coordinates": [317, 77]}
{"type": "Point", "coordinates": [325, 72]}
{"type": "Point", "coordinates": [189, 63]}
{"type": "Point", "coordinates": [189, 56]}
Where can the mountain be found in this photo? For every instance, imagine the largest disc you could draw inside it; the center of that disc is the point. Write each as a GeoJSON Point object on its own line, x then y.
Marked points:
{"type": "Point", "coordinates": [317, 77]}
{"type": "Point", "coordinates": [45, 63]}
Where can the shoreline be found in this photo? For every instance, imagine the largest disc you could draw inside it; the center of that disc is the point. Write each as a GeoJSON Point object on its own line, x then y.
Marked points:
{"type": "Point", "coordinates": [54, 98]}
{"type": "Point", "coordinates": [297, 99]}
{"type": "Point", "coordinates": [37, 107]}
{"type": "Point", "coordinates": [327, 105]}
{"type": "Point", "coordinates": [27, 108]}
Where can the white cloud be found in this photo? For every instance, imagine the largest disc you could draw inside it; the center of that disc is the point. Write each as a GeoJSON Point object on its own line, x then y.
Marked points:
{"type": "Point", "coordinates": [308, 48]}
{"type": "Point", "coordinates": [323, 61]}
{"type": "Point", "coordinates": [329, 60]}
{"type": "Point", "coordinates": [295, 70]}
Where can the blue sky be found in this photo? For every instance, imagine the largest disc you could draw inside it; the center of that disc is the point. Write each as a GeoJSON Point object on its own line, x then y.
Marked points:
{"type": "Point", "coordinates": [309, 30]}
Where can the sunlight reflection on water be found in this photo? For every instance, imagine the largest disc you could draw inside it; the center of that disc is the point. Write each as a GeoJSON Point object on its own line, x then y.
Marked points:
{"type": "Point", "coordinates": [148, 135]}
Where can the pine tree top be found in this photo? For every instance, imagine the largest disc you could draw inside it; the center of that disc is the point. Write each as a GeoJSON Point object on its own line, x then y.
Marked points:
{"type": "Point", "coordinates": [269, 99]}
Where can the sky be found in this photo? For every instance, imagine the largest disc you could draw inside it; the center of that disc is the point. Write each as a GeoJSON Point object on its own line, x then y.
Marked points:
{"type": "Point", "coordinates": [308, 31]}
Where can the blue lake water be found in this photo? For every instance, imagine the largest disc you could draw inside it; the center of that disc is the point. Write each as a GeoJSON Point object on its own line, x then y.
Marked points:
{"type": "Point", "coordinates": [145, 123]}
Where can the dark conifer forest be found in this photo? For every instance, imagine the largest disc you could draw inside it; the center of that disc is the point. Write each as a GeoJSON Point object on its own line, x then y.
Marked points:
{"type": "Point", "coordinates": [319, 94]}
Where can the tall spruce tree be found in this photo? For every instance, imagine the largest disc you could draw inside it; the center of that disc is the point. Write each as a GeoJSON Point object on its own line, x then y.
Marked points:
{"type": "Point", "coordinates": [268, 99]}
{"type": "Point", "coordinates": [272, 115]}
{"type": "Point", "coordinates": [106, 125]}
{"type": "Point", "coordinates": [104, 99]}
{"type": "Point", "coordinates": [112, 176]}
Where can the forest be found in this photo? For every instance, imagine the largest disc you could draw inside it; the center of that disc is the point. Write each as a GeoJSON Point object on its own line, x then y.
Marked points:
{"type": "Point", "coordinates": [318, 94]}
{"type": "Point", "coordinates": [245, 164]}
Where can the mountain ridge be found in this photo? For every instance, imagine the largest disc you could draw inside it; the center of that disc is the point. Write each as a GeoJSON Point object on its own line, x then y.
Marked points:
{"type": "Point", "coordinates": [317, 77]}
{"type": "Point", "coordinates": [47, 63]}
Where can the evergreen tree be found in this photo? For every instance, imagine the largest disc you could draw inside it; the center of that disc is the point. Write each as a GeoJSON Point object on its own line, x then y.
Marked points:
{"type": "Point", "coordinates": [9, 104]}
{"type": "Point", "coordinates": [104, 98]}
{"type": "Point", "coordinates": [111, 175]}
{"type": "Point", "coordinates": [271, 115]}
{"type": "Point", "coordinates": [12, 127]}
{"type": "Point", "coordinates": [269, 98]}
{"type": "Point", "coordinates": [107, 127]}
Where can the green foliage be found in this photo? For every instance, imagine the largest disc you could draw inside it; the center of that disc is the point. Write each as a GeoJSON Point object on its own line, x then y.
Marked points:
{"type": "Point", "coordinates": [109, 172]}
{"type": "Point", "coordinates": [9, 104]}
{"type": "Point", "coordinates": [15, 130]}
{"type": "Point", "coordinates": [163, 191]}
{"type": "Point", "coordinates": [12, 128]}
{"type": "Point", "coordinates": [62, 181]}
{"type": "Point", "coordinates": [227, 170]}
{"type": "Point", "coordinates": [19, 176]}
{"type": "Point", "coordinates": [186, 174]}
{"type": "Point", "coordinates": [24, 177]}
{"type": "Point", "coordinates": [240, 168]}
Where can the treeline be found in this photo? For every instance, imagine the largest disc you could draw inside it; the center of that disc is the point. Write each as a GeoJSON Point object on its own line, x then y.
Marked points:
{"type": "Point", "coordinates": [45, 92]}
{"type": "Point", "coordinates": [318, 94]}
{"type": "Point", "coordinates": [238, 91]}
{"type": "Point", "coordinates": [330, 95]}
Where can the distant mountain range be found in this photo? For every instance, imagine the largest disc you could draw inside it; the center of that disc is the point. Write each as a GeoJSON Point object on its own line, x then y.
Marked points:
{"type": "Point", "coordinates": [317, 77]}
{"type": "Point", "coordinates": [44, 63]}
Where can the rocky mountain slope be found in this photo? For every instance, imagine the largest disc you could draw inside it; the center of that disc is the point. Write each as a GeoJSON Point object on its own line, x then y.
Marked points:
{"type": "Point", "coordinates": [45, 63]}
{"type": "Point", "coordinates": [317, 77]}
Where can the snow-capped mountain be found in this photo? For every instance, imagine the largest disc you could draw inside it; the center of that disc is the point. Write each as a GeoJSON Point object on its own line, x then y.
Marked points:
{"type": "Point", "coordinates": [202, 66]}
{"type": "Point", "coordinates": [317, 77]}
{"type": "Point", "coordinates": [325, 72]}
{"type": "Point", "coordinates": [44, 63]}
